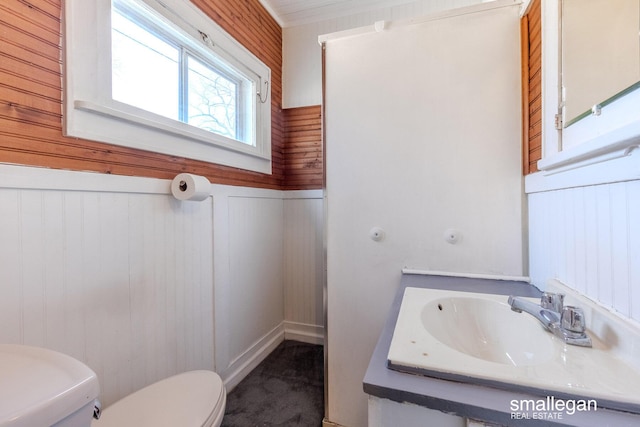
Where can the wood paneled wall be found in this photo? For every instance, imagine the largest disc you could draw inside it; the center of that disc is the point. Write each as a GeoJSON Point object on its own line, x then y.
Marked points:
{"type": "Point", "coordinates": [303, 148]}
{"type": "Point", "coordinates": [31, 96]}
{"type": "Point", "coordinates": [531, 36]}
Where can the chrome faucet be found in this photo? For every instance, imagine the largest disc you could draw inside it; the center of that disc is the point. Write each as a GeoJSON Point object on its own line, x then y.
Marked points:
{"type": "Point", "coordinates": [565, 322]}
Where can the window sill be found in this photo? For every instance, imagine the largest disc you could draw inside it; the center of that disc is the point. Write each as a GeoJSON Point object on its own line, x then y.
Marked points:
{"type": "Point", "coordinates": [134, 128]}
{"type": "Point", "coordinates": [607, 158]}
{"type": "Point", "coordinates": [612, 145]}
{"type": "Point", "coordinates": [143, 118]}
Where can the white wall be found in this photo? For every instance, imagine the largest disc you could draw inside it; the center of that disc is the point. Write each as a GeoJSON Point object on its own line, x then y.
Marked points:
{"type": "Point", "coordinates": [302, 64]}
{"type": "Point", "coordinates": [417, 144]}
{"type": "Point", "coordinates": [111, 271]}
{"type": "Point", "coordinates": [304, 266]}
{"type": "Point", "coordinates": [248, 248]}
{"type": "Point", "coordinates": [589, 238]}
{"type": "Point", "coordinates": [266, 274]}
{"type": "Point", "coordinates": [115, 272]}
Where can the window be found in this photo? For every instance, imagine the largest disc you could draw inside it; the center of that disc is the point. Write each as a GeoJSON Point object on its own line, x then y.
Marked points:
{"type": "Point", "coordinates": [596, 149]}
{"type": "Point", "coordinates": [161, 76]}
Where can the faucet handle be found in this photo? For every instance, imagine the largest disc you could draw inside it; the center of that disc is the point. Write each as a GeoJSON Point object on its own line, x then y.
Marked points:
{"type": "Point", "coordinates": [572, 320]}
{"type": "Point", "coordinates": [552, 301]}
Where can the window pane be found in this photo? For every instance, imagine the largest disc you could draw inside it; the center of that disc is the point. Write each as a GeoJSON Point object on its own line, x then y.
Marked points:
{"type": "Point", "coordinates": [213, 100]}
{"type": "Point", "coordinates": [145, 69]}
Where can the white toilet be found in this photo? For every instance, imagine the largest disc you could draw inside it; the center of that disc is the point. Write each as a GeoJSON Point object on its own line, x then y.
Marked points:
{"type": "Point", "coordinates": [41, 387]}
{"type": "Point", "coordinates": [190, 399]}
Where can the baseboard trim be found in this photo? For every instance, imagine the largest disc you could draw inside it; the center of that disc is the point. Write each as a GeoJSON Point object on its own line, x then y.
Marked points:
{"type": "Point", "coordinates": [242, 365]}
{"type": "Point", "coordinates": [327, 423]}
{"type": "Point", "coordinates": [311, 334]}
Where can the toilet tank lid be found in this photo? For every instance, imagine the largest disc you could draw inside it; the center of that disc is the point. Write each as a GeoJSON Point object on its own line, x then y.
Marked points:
{"type": "Point", "coordinates": [39, 386]}
{"type": "Point", "coordinates": [190, 399]}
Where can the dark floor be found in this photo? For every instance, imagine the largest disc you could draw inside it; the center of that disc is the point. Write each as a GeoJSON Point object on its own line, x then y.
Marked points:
{"type": "Point", "coordinates": [286, 389]}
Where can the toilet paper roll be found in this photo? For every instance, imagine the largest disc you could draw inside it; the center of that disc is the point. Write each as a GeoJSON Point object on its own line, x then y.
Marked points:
{"type": "Point", "coordinates": [186, 186]}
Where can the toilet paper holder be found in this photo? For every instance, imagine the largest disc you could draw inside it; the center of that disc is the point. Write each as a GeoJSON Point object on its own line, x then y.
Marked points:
{"type": "Point", "coordinates": [186, 186]}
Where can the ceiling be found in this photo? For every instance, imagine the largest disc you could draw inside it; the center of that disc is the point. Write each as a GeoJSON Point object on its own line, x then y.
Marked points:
{"type": "Point", "coordinates": [289, 13]}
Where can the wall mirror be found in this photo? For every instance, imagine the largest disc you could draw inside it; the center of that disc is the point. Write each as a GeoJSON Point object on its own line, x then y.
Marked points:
{"type": "Point", "coordinates": [600, 54]}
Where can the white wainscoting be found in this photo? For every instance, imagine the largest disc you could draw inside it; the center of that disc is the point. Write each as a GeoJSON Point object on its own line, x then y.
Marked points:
{"type": "Point", "coordinates": [589, 238]}
{"type": "Point", "coordinates": [268, 266]}
{"type": "Point", "coordinates": [303, 266]}
{"type": "Point", "coordinates": [115, 272]}
{"type": "Point", "coordinates": [248, 244]}
{"type": "Point", "coordinates": [110, 270]}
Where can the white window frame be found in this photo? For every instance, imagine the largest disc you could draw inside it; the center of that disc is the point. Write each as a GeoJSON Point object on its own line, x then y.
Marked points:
{"type": "Point", "coordinates": [90, 112]}
{"type": "Point", "coordinates": [596, 149]}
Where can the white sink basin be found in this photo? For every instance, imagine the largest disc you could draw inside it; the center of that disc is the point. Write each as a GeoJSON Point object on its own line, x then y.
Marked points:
{"type": "Point", "coordinates": [483, 329]}
{"type": "Point", "coordinates": [462, 336]}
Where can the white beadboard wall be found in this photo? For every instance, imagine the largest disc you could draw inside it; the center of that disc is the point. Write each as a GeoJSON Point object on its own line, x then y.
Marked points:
{"type": "Point", "coordinates": [266, 271]}
{"type": "Point", "coordinates": [303, 264]}
{"type": "Point", "coordinates": [121, 280]}
{"type": "Point", "coordinates": [115, 272]}
{"type": "Point", "coordinates": [589, 238]}
{"type": "Point", "coordinates": [248, 245]}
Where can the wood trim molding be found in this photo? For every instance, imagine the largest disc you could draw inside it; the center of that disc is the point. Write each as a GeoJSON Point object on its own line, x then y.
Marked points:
{"type": "Point", "coordinates": [531, 32]}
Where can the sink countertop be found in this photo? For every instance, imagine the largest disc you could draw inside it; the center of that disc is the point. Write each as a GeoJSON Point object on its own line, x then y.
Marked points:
{"type": "Point", "coordinates": [466, 399]}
